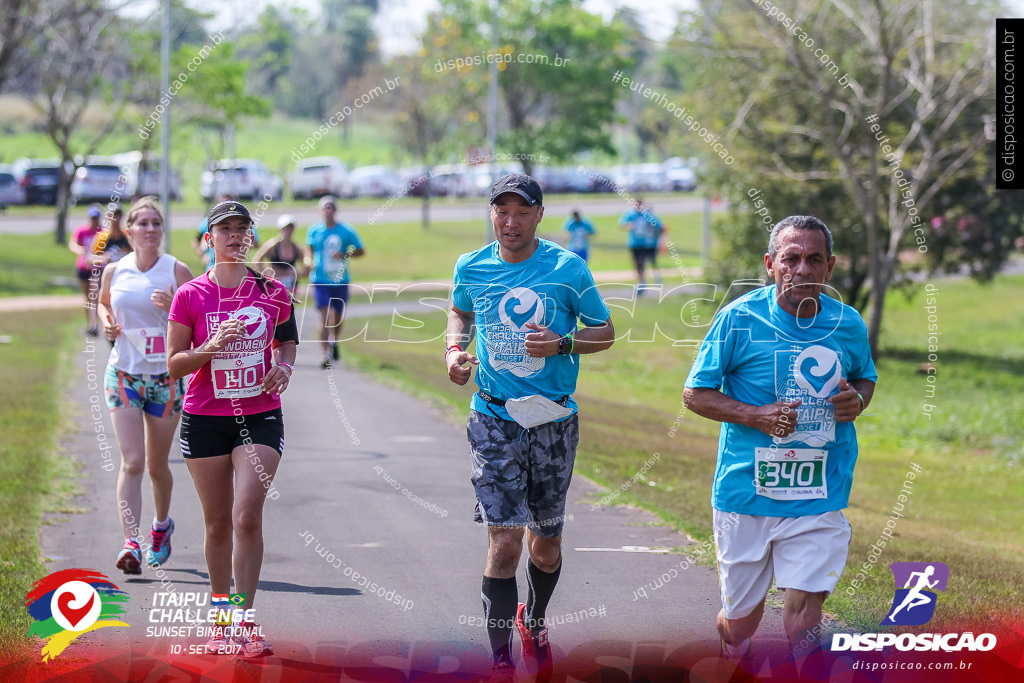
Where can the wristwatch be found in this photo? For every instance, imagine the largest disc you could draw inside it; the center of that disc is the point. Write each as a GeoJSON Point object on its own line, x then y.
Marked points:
{"type": "Point", "coordinates": [565, 345]}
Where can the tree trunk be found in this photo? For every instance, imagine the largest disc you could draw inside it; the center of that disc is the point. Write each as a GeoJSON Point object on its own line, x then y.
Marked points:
{"type": "Point", "coordinates": [63, 198]}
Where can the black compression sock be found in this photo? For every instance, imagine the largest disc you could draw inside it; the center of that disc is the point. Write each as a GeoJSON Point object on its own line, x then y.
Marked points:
{"type": "Point", "coordinates": [501, 600]}
{"type": "Point", "coordinates": [542, 585]}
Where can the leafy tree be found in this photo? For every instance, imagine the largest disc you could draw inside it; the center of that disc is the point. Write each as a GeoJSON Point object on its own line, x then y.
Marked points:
{"type": "Point", "coordinates": [330, 53]}
{"type": "Point", "coordinates": [215, 100]}
{"type": "Point", "coordinates": [77, 59]}
{"type": "Point", "coordinates": [268, 49]}
{"type": "Point", "coordinates": [18, 20]}
{"type": "Point", "coordinates": [869, 110]}
{"type": "Point", "coordinates": [558, 108]}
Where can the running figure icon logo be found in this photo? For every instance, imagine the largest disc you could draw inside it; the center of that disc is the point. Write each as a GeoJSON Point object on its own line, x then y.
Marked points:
{"type": "Point", "coordinates": [914, 604]}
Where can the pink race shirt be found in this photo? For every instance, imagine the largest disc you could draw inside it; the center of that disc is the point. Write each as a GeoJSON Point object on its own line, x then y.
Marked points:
{"type": "Point", "coordinates": [84, 236]}
{"type": "Point", "coordinates": [230, 383]}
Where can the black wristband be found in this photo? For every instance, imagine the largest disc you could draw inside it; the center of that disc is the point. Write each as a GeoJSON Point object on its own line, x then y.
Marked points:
{"type": "Point", "coordinates": [287, 331]}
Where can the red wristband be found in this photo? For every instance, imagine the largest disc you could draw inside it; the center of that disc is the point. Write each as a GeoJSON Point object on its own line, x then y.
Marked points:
{"type": "Point", "coordinates": [448, 350]}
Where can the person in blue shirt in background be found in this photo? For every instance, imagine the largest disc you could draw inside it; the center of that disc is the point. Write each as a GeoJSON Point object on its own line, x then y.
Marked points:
{"type": "Point", "coordinates": [644, 232]}
{"type": "Point", "coordinates": [786, 369]}
{"type": "Point", "coordinates": [521, 299]}
{"type": "Point", "coordinates": [580, 230]}
{"type": "Point", "coordinates": [331, 245]}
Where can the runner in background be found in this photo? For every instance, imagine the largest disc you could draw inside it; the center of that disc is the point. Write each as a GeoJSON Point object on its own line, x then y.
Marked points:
{"type": "Point", "coordinates": [331, 245]}
{"type": "Point", "coordinates": [80, 244]}
{"type": "Point", "coordinates": [644, 232]}
{"type": "Point", "coordinates": [579, 230]}
{"type": "Point", "coordinates": [144, 403]}
{"type": "Point", "coordinates": [112, 244]}
{"type": "Point", "coordinates": [283, 255]}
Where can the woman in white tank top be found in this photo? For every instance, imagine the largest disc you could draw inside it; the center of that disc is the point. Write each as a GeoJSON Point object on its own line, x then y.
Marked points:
{"type": "Point", "coordinates": [144, 403]}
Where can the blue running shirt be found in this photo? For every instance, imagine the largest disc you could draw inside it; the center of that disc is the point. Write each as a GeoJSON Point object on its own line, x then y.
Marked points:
{"type": "Point", "coordinates": [331, 247]}
{"type": "Point", "coordinates": [553, 287]}
{"type": "Point", "coordinates": [757, 353]}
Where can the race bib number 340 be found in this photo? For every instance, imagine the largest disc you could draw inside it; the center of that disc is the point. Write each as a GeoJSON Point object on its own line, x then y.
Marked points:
{"type": "Point", "coordinates": [791, 473]}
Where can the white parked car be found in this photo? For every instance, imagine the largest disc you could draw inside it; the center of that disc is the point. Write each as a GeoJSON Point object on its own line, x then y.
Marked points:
{"type": "Point", "coordinates": [100, 180]}
{"type": "Point", "coordinates": [643, 178]}
{"type": "Point", "coordinates": [319, 176]}
{"type": "Point", "coordinates": [680, 175]}
{"type": "Point", "coordinates": [242, 178]}
{"type": "Point", "coordinates": [375, 181]}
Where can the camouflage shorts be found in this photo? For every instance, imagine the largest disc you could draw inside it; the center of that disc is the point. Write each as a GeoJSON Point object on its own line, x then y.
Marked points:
{"type": "Point", "coordinates": [521, 476]}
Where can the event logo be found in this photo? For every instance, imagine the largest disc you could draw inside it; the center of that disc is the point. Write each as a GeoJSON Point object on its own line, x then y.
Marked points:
{"type": "Point", "coordinates": [826, 371]}
{"type": "Point", "coordinates": [914, 604]}
{"type": "Point", "coordinates": [255, 321]}
{"type": "Point", "coordinates": [71, 602]}
{"type": "Point", "coordinates": [519, 307]}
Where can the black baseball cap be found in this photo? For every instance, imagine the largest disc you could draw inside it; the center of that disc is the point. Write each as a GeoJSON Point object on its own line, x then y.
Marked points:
{"type": "Point", "coordinates": [520, 184]}
{"type": "Point", "coordinates": [227, 209]}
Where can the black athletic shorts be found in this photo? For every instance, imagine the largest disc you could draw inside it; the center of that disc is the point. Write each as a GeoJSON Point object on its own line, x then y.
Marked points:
{"type": "Point", "coordinates": [206, 436]}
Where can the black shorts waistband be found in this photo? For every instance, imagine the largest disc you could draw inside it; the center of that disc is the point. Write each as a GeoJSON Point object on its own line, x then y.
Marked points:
{"type": "Point", "coordinates": [501, 402]}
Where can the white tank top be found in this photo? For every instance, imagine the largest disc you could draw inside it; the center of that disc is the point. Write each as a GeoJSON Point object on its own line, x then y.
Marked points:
{"type": "Point", "coordinates": [141, 348]}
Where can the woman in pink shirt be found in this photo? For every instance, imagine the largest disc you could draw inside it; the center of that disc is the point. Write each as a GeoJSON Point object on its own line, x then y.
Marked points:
{"type": "Point", "coordinates": [234, 331]}
{"type": "Point", "coordinates": [80, 244]}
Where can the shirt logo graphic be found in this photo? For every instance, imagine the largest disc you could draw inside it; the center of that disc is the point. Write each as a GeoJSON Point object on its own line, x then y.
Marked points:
{"type": "Point", "coordinates": [520, 306]}
{"type": "Point", "coordinates": [818, 365]}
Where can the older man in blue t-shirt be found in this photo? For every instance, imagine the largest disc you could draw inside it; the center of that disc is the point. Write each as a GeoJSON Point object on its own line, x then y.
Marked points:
{"type": "Point", "coordinates": [787, 370]}
{"type": "Point", "coordinates": [525, 298]}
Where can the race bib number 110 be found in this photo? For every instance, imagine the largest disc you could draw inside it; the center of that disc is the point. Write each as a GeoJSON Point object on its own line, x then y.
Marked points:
{"type": "Point", "coordinates": [238, 377]}
{"type": "Point", "coordinates": [791, 473]}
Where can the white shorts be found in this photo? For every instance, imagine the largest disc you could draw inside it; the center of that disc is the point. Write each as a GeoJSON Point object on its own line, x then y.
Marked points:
{"type": "Point", "coordinates": [805, 553]}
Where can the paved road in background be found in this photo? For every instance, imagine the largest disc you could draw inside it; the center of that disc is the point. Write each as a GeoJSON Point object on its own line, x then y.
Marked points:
{"type": "Point", "coordinates": [440, 211]}
{"type": "Point", "coordinates": [376, 484]}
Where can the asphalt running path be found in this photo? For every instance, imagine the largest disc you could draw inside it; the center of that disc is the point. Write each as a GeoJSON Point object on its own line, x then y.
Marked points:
{"type": "Point", "coordinates": [375, 484]}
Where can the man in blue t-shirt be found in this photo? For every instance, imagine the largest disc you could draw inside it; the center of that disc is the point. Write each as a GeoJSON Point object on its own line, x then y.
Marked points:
{"type": "Point", "coordinates": [522, 298]}
{"type": "Point", "coordinates": [644, 232]}
{"type": "Point", "coordinates": [331, 245]}
{"type": "Point", "coordinates": [580, 230]}
{"type": "Point", "coordinates": [787, 370]}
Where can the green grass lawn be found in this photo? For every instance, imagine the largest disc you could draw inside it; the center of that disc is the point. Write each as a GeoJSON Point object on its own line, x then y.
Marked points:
{"type": "Point", "coordinates": [36, 364]}
{"type": "Point", "coordinates": [396, 252]}
{"type": "Point", "coordinates": [964, 508]}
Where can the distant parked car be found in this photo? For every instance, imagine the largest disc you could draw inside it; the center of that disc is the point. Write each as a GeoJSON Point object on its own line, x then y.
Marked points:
{"type": "Point", "coordinates": [481, 176]}
{"type": "Point", "coordinates": [149, 183]}
{"type": "Point", "coordinates": [143, 175]}
{"type": "Point", "coordinates": [243, 178]}
{"type": "Point", "coordinates": [319, 176]}
{"type": "Point", "coordinates": [38, 177]}
{"type": "Point", "coordinates": [374, 181]}
{"type": "Point", "coordinates": [98, 181]}
{"type": "Point", "coordinates": [680, 175]}
{"type": "Point", "coordinates": [643, 178]}
{"type": "Point", "coordinates": [11, 191]}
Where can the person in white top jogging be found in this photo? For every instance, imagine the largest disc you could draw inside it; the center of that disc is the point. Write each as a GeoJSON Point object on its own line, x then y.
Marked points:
{"type": "Point", "coordinates": [135, 297]}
